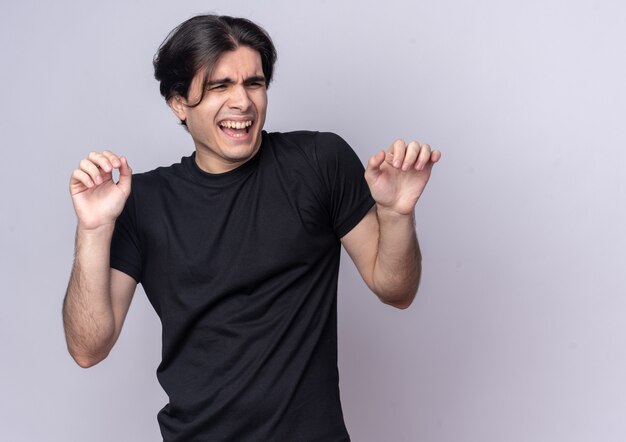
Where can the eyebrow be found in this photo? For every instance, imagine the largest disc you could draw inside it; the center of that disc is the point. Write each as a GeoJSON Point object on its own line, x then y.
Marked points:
{"type": "Point", "coordinates": [227, 80]}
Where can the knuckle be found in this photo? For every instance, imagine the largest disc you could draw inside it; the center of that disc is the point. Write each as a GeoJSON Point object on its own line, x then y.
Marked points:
{"type": "Point", "coordinates": [87, 164]}
{"type": "Point", "coordinates": [399, 143]}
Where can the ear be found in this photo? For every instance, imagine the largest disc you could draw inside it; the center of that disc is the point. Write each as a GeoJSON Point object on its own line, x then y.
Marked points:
{"type": "Point", "coordinates": [179, 106]}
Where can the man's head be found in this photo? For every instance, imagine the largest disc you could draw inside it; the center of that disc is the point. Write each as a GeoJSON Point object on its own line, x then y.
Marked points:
{"type": "Point", "coordinates": [196, 45]}
{"type": "Point", "coordinates": [214, 72]}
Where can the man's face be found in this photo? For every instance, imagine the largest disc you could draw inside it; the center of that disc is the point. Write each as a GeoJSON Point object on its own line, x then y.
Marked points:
{"type": "Point", "coordinates": [226, 125]}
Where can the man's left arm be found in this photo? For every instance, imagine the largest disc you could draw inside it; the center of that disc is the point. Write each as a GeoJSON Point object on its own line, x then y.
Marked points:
{"type": "Point", "coordinates": [384, 244]}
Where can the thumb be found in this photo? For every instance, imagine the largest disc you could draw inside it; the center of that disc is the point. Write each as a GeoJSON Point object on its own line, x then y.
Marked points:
{"type": "Point", "coordinates": [125, 176]}
{"type": "Point", "coordinates": [373, 165]}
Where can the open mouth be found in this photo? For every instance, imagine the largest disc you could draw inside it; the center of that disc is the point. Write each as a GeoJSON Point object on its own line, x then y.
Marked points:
{"type": "Point", "coordinates": [236, 129]}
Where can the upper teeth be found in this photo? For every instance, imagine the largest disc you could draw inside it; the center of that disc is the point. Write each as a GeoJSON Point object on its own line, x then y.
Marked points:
{"type": "Point", "coordinates": [236, 124]}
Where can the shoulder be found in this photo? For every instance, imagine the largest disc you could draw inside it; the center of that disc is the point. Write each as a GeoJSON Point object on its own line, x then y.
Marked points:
{"type": "Point", "coordinates": [317, 147]}
{"type": "Point", "coordinates": [156, 179]}
{"type": "Point", "coordinates": [306, 139]}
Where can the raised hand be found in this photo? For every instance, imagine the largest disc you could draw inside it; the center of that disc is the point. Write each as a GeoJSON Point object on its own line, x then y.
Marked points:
{"type": "Point", "coordinates": [97, 199]}
{"type": "Point", "coordinates": [397, 178]}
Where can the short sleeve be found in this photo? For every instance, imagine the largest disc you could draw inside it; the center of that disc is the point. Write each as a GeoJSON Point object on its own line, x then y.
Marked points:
{"type": "Point", "coordinates": [125, 245]}
{"type": "Point", "coordinates": [343, 173]}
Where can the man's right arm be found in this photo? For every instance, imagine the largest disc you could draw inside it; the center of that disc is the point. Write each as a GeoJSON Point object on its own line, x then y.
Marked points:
{"type": "Point", "coordinates": [97, 297]}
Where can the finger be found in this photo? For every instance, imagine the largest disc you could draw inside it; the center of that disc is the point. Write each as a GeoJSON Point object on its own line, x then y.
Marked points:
{"type": "Point", "coordinates": [80, 177]}
{"type": "Point", "coordinates": [113, 159]}
{"type": "Point", "coordinates": [374, 163]}
{"type": "Point", "coordinates": [125, 175]}
{"type": "Point", "coordinates": [412, 150]}
{"type": "Point", "coordinates": [90, 169]}
{"type": "Point", "coordinates": [435, 156]}
{"type": "Point", "coordinates": [397, 150]}
{"type": "Point", "coordinates": [423, 158]}
{"type": "Point", "coordinates": [101, 161]}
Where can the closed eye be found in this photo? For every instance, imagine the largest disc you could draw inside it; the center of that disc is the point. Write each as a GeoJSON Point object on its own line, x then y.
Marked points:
{"type": "Point", "coordinates": [255, 82]}
{"type": "Point", "coordinates": [217, 87]}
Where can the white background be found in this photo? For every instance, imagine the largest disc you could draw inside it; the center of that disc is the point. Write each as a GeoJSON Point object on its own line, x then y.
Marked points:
{"type": "Point", "coordinates": [518, 332]}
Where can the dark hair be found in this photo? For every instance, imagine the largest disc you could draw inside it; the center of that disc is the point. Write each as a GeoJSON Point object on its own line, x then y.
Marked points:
{"type": "Point", "coordinates": [199, 42]}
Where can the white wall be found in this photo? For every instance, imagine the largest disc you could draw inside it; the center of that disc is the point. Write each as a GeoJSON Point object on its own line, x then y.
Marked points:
{"type": "Point", "coordinates": [518, 333]}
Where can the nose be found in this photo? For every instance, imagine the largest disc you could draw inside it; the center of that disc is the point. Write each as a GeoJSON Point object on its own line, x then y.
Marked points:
{"type": "Point", "coordinates": [239, 98]}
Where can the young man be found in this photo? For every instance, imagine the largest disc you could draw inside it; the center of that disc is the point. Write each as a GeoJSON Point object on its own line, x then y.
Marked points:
{"type": "Point", "coordinates": [238, 245]}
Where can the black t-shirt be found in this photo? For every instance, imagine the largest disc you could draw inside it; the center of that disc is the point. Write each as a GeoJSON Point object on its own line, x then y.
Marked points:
{"type": "Point", "coordinates": [241, 268]}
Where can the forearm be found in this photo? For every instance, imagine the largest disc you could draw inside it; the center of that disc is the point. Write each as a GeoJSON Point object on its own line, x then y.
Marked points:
{"type": "Point", "coordinates": [87, 309]}
{"type": "Point", "coordinates": [397, 268]}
